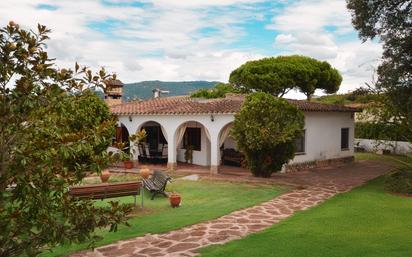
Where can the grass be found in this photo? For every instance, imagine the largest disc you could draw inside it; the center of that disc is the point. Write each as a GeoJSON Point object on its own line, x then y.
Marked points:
{"type": "Point", "coordinates": [201, 201]}
{"type": "Point", "coordinates": [397, 160]}
{"type": "Point", "coordinates": [368, 221]}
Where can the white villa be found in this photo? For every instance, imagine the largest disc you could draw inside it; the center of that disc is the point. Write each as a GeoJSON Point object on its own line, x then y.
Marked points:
{"type": "Point", "coordinates": [173, 123]}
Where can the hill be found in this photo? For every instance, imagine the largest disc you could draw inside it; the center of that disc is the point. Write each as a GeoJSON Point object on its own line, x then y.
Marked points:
{"type": "Point", "coordinates": [144, 89]}
{"type": "Point", "coordinates": [359, 96]}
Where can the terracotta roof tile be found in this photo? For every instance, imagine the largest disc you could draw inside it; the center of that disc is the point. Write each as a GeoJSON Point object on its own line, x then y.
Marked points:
{"type": "Point", "coordinates": [231, 104]}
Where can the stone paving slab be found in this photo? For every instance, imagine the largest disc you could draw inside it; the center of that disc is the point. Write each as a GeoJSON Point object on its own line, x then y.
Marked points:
{"type": "Point", "coordinates": [186, 241]}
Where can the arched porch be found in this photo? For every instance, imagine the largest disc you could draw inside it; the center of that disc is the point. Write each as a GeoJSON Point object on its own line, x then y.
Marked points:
{"type": "Point", "coordinates": [154, 148]}
{"type": "Point", "coordinates": [192, 141]}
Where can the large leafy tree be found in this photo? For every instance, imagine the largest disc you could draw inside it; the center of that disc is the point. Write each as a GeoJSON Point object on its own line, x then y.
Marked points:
{"type": "Point", "coordinates": [53, 131]}
{"type": "Point", "coordinates": [390, 22]}
{"type": "Point", "coordinates": [278, 75]}
{"type": "Point", "coordinates": [265, 130]}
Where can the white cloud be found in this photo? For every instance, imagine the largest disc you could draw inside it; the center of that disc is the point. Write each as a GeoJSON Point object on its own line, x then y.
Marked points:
{"type": "Point", "coordinates": [166, 39]}
{"type": "Point", "coordinates": [322, 29]}
{"type": "Point", "coordinates": [284, 39]}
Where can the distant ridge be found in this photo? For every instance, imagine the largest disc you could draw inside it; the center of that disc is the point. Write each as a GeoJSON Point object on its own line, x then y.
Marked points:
{"type": "Point", "coordinates": [143, 89]}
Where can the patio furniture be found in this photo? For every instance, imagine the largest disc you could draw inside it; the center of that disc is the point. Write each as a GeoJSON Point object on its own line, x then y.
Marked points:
{"type": "Point", "coordinates": [142, 155]}
{"type": "Point", "coordinates": [156, 184]}
{"type": "Point", "coordinates": [232, 157]}
{"type": "Point", "coordinates": [103, 191]}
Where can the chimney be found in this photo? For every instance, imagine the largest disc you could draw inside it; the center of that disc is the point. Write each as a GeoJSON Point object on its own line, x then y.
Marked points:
{"type": "Point", "coordinates": [157, 92]}
{"type": "Point", "coordinates": [114, 92]}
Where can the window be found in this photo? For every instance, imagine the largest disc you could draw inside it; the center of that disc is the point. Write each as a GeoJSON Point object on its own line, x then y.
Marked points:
{"type": "Point", "coordinates": [192, 138]}
{"type": "Point", "coordinates": [300, 144]}
{"type": "Point", "coordinates": [344, 139]}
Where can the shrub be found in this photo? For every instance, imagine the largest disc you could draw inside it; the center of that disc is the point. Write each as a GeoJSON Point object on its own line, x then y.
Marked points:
{"type": "Point", "coordinates": [399, 181]}
{"type": "Point", "coordinates": [381, 131]}
{"type": "Point", "coordinates": [265, 130]}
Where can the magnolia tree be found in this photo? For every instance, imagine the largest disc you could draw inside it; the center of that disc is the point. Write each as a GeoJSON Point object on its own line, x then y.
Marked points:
{"type": "Point", "coordinates": [53, 131]}
{"type": "Point", "coordinates": [278, 75]}
{"type": "Point", "coordinates": [265, 130]}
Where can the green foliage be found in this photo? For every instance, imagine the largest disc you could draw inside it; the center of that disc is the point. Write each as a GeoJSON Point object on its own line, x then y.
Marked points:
{"type": "Point", "coordinates": [381, 131]}
{"type": "Point", "coordinates": [265, 130]}
{"type": "Point", "coordinates": [399, 181]}
{"type": "Point", "coordinates": [278, 75]}
{"type": "Point", "coordinates": [53, 130]}
{"type": "Point", "coordinates": [390, 21]}
{"type": "Point", "coordinates": [219, 91]}
{"type": "Point", "coordinates": [358, 96]}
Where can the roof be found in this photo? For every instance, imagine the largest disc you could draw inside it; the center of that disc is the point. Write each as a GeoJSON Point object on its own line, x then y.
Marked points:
{"type": "Point", "coordinates": [114, 83]}
{"type": "Point", "coordinates": [178, 105]}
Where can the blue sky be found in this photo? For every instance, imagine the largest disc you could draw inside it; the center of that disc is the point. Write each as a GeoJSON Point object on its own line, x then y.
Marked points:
{"type": "Point", "coordinates": [195, 39]}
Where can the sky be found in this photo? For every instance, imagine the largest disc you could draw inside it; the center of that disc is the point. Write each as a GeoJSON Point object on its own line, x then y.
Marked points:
{"type": "Point", "coordinates": [180, 40]}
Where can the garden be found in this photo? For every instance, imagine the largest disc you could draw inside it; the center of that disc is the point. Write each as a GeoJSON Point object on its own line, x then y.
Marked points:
{"type": "Point", "coordinates": [201, 200]}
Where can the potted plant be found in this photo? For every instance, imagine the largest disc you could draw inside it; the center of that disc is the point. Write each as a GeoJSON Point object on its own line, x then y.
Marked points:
{"type": "Point", "coordinates": [145, 172]}
{"type": "Point", "coordinates": [105, 175]}
{"type": "Point", "coordinates": [128, 164]}
{"type": "Point", "coordinates": [189, 154]}
{"type": "Point", "coordinates": [175, 199]}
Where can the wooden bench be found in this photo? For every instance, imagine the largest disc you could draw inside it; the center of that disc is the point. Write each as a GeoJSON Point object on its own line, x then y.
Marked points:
{"type": "Point", "coordinates": [105, 190]}
{"type": "Point", "coordinates": [156, 184]}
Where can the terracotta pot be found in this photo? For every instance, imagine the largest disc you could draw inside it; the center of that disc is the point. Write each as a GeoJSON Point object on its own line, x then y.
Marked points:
{"type": "Point", "coordinates": [128, 164]}
{"type": "Point", "coordinates": [105, 176]}
{"type": "Point", "coordinates": [175, 200]}
{"type": "Point", "coordinates": [145, 173]}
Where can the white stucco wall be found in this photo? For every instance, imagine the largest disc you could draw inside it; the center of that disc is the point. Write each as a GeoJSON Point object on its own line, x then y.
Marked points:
{"type": "Point", "coordinates": [323, 135]}
{"type": "Point", "coordinates": [396, 147]}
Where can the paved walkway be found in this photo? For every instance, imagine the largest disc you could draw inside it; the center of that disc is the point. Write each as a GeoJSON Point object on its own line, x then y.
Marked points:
{"type": "Point", "coordinates": [314, 187]}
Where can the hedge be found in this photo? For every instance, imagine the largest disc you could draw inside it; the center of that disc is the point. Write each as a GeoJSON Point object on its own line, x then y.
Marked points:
{"type": "Point", "coordinates": [380, 131]}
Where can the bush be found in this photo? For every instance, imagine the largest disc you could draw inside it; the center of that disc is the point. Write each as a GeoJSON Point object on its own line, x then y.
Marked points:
{"type": "Point", "coordinates": [265, 130]}
{"type": "Point", "coordinates": [399, 181]}
{"type": "Point", "coordinates": [381, 131]}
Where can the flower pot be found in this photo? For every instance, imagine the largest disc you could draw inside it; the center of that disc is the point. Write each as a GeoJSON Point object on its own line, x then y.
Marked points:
{"type": "Point", "coordinates": [175, 200]}
{"type": "Point", "coordinates": [128, 164]}
{"type": "Point", "coordinates": [105, 176]}
{"type": "Point", "coordinates": [145, 173]}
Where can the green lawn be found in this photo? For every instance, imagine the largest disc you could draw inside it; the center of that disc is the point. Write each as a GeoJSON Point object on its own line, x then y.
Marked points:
{"type": "Point", "coordinates": [201, 201]}
{"type": "Point", "coordinates": [364, 222]}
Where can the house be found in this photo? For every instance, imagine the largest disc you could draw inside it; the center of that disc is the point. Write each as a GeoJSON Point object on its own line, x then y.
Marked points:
{"type": "Point", "coordinates": [204, 124]}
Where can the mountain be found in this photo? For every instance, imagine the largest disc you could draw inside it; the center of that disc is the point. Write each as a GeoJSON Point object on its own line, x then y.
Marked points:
{"type": "Point", "coordinates": [144, 89]}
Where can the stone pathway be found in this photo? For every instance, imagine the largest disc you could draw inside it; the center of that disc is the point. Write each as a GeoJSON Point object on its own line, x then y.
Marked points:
{"type": "Point", "coordinates": [186, 241]}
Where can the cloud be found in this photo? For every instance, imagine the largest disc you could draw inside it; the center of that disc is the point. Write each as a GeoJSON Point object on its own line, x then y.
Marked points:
{"type": "Point", "coordinates": [284, 39]}
{"type": "Point", "coordinates": [194, 39]}
{"type": "Point", "coordinates": [322, 29]}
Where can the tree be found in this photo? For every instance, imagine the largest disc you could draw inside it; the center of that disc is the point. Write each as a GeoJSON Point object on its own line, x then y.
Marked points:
{"type": "Point", "coordinates": [278, 75]}
{"type": "Point", "coordinates": [390, 22]}
{"type": "Point", "coordinates": [53, 131]}
{"type": "Point", "coordinates": [218, 91]}
{"type": "Point", "coordinates": [265, 130]}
